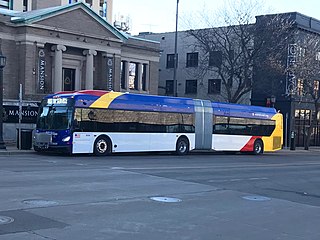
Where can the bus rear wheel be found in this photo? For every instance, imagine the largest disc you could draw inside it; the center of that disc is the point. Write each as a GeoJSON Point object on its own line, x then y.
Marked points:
{"type": "Point", "coordinates": [102, 146]}
{"type": "Point", "coordinates": [182, 146]}
{"type": "Point", "coordinates": [258, 147]}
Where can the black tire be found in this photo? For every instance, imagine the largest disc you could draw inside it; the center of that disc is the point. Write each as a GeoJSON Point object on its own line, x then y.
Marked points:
{"type": "Point", "coordinates": [182, 146]}
{"type": "Point", "coordinates": [258, 147]}
{"type": "Point", "coordinates": [37, 149]}
{"type": "Point", "coordinates": [102, 146]}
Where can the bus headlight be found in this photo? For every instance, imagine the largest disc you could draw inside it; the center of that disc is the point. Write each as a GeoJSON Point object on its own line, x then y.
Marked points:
{"type": "Point", "coordinates": [66, 139]}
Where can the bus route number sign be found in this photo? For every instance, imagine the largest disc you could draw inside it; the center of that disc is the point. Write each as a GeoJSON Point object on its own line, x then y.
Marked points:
{"type": "Point", "coordinates": [59, 101]}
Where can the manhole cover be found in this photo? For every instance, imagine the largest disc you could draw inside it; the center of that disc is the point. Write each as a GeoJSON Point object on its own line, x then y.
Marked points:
{"type": "Point", "coordinates": [166, 199]}
{"type": "Point", "coordinates": [256, 198]}
{"type": "Point", "coordinates": [5, 220]}
{"type": "Point", "coordinates": [40, 203]}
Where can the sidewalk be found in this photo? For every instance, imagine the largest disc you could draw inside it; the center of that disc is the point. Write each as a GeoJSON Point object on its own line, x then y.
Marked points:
{"type": "Point", "coordinates": [13, 150]}
{"type": "Point", "coordinates": [301, 149]}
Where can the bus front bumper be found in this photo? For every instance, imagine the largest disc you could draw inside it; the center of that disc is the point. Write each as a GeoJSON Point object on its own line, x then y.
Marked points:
{"type": "Point", "coordinates": [43, 147]}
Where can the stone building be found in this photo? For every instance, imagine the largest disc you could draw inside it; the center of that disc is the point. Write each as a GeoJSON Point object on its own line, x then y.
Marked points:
{"type": "Point", "coordinates": [193, 80]}
{"type": "Point", "coordinates": [102, 7]}
{"type": "Point", "coordinates": [67, 48]}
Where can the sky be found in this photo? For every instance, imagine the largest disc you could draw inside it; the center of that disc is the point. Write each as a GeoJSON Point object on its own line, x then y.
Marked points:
{"type": "Point", "coordinates": [159, 16]}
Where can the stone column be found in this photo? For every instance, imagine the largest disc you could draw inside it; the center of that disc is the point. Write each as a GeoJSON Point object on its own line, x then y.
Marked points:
{"type": "Point", "coordinates": [139, 65]}
{"type": "Point", "coordinates": [57, 81]}
{"type": "Point", "coordinates": [18, 6]}
{"type": "Point", "coordinates": [147, 74]}
{"type": "Point", "coordinates": [126, 63]}
{"type": "Point", "coordinates": [89, 67]}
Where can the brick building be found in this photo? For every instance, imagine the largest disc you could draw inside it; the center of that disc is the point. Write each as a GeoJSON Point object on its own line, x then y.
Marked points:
{"type": "Point", "coordinates": [286, 87]}
{"type": "Point", "coordinates": [268, 85]}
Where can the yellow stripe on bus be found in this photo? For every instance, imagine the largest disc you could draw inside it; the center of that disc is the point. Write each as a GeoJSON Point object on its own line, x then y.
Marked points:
{"type": "Point", "coordinates": [275, 141]}
{"type": "Point", "coordinates": [105, 100]}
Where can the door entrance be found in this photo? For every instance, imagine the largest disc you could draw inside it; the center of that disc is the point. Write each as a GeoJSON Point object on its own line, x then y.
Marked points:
{"type": "Point", "coordinates": [68, 75]}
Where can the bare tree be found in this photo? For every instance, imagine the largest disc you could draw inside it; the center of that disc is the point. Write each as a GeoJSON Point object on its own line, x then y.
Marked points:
{"type": "Point", "coordinates": [231, 52]}
{"type": "Point", "coordinates": [307, 72]}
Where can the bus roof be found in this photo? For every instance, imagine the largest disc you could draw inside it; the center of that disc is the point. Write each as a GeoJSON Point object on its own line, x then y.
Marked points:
{"type": "Point", "coordinates": [240, 110]}
{"type": "Point", "coordinates": [127, 101]}
{"type": "Point", "coordinates": [141, 102]}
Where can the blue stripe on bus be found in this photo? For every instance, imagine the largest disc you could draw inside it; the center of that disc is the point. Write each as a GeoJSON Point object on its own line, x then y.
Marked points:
{"type": "Point", "coordinates": [85, 100]}
{"type": "Point", "coordinates": [153, 103]}
{"type": "Point", "coordinates": [244, 111]}
{"type": "Point", "coordinates": [140, 102]}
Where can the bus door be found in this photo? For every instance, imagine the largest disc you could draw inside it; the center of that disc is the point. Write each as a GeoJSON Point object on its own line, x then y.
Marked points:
{"type": "Point", "coordinates": [203, 124]}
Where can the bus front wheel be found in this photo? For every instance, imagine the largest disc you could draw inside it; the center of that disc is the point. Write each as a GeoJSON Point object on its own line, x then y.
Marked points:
{"type": "Point", "coordinates": [182, 147]}
{"type": "Point", "coordinates": [258, 147]}
{"type": "Point", "coordinates": [102, 146]}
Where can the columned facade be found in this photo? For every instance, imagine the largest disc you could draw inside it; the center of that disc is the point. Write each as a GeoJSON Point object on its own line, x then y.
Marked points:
{"type": "Point", "coordinates": [45, 58]}
{"type": "Point", "coordinates": [135, 76]}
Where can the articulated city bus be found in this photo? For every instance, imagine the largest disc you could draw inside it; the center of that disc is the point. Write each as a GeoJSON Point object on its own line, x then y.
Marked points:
{"type": "Point", "coordinates": [101, 122]}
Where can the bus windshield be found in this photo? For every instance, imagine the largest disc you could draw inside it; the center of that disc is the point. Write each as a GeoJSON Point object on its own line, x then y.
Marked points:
{"type": "Point", "coordinates": [54, 117]}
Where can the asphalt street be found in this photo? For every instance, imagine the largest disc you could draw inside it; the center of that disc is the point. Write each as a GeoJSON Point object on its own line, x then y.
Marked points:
{"type": "Point", "coordinates": [202, 196]}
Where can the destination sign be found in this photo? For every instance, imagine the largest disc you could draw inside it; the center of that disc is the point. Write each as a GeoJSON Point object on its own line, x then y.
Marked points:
{"type": "Point", "coordinates": [57, 101]}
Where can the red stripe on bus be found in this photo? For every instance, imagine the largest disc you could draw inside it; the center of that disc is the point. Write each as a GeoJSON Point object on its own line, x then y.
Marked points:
{"type": "Point", "coordinates": [98, 93]}
{"type": "Point", "coordinates": [249, 145]}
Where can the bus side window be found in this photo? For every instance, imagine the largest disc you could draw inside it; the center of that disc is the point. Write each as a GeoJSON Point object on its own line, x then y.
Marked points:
{"type": "Point", "coordinates": [221, 129]}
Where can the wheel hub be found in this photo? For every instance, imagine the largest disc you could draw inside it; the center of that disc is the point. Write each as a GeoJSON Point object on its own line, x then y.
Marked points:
{"type": "Point", "coordinates": [182, 147]}
{"type": "Point", "coordinates": [102, 146]}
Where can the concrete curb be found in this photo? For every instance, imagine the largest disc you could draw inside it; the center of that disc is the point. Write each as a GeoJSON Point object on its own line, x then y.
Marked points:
{"type": "Point", "coordinates": [15, 152]}
{"type": "Point", "coordinates": [12, 150]}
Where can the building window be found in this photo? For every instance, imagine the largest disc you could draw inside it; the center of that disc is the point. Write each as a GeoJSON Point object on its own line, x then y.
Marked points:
{"type": "Point", "coordinates": [300, 87]}
{"type": "Point", "coordinates": [133, 76]}
{"type": "Point", "coordinates": [170, 60]}
{"type": "Point", "coordinates": [192, 59]}
{"type": "Point", "coordinates": [5, 4]}
{"type": "Point", "coordinates": [302, 119]}
{"type": "Point", "coordinates": [103, 8]}
{"type": "Point", "coordinates": [25, 5]}
{"type": "Point", "coordinates": [169, 87]}
{"type": "Point", "coordinates": [191, 86]}
{"type": "Point", "coordinates": [214, 86]}
{"type": "Point", "coordinates": [316, 88]}
{"type": "Point", "coordinates": [215, 58]}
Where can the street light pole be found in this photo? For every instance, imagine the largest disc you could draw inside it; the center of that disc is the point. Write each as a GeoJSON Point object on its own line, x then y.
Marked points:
{"type": "Point", "coordinates": [175, 81]}
{"type": "Point", "coordinates": [2, 65]}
